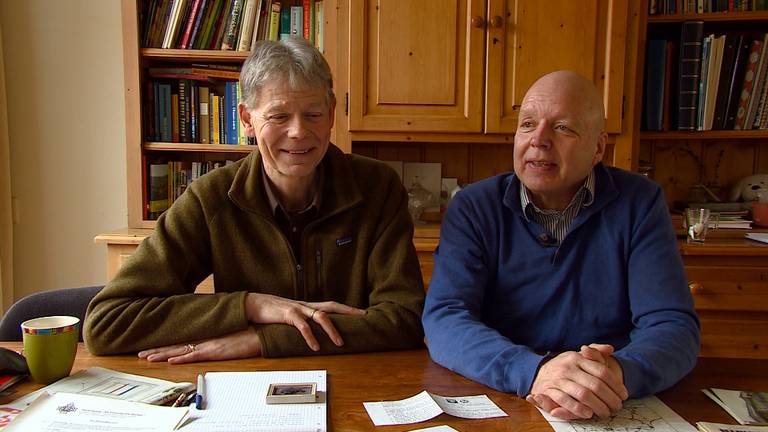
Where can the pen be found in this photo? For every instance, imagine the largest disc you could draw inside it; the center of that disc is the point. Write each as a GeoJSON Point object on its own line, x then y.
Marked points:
{"type": "Point", "coordinates": [200, 392]}
{"type": "Point", "coordinates": [179, 400]}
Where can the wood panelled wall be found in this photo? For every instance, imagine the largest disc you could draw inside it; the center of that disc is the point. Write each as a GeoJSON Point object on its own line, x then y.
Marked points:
{"type": "Point", "coordinates": [719, 164]}
{"type": "Point", "coordinates": [468, 162]}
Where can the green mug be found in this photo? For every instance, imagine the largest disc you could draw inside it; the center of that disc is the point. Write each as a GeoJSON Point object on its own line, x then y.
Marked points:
{"type": "Point", "coordinates": [50, 344]}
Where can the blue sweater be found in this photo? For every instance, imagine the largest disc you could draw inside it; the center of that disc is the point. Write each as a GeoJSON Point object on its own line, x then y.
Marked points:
{"type": "Point", "coordinates": [501, 298]}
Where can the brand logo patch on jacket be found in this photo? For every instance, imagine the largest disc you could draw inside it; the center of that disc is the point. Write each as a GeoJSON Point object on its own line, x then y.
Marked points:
{"type": "Point", "coordinates": [343, 240]}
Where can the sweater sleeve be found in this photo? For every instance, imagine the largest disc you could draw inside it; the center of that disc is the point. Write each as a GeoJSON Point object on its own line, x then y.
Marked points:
{"type": "Point", "coordinates": [151, 301]}
{"type": "Point", "coordinates": [395, 296]}
{"type": "Point", "coordinates": [664, 342]}
{"type": "Point", "coordinates": [456, 336]}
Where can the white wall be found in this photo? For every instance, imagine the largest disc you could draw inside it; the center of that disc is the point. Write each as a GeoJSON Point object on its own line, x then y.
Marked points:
{"type": "Point", "coordinates": [66, 116]}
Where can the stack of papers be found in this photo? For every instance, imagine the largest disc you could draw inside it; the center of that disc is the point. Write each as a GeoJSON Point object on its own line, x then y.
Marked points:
{"type": "Point", "coordinates": [104, 384]}
{"type": "Point", "coordinates": [748, 408]}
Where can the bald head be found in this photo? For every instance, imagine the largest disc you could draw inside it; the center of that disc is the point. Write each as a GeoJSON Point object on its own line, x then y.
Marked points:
{"type": "Point", "coordinates": [559, 137]}
{"type": "Point", "coordinates": [576, 91]}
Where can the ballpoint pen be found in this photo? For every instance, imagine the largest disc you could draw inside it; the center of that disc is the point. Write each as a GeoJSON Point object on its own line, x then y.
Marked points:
{"type": "Point", "coordinates": [180, 400]}
{"type": "Point", "coordinates": [200, 392]}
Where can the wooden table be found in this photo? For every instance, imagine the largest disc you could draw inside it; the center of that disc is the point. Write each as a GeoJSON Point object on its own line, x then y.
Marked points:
{"type": "Point", "coordinates": [353, 379]}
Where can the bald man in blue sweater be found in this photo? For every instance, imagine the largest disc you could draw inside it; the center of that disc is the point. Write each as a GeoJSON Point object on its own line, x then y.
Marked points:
{"type": "Point", "coordinates": [562, 282]}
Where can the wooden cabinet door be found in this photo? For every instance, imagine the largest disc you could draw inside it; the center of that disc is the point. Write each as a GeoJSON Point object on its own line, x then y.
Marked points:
{"type": "Point", "coordinates": [416, 66]}
{"type": "Point", "coordinates": [529, 38]}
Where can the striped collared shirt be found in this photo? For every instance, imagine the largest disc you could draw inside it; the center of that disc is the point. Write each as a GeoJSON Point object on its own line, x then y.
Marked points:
{"type": "Point", "coordinates": [557, 222]}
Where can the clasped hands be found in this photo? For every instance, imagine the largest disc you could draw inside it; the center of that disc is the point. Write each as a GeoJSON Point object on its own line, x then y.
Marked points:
{"type": "Point", "coordinates": [580, 385]}
{"type": "Point", "coordinates": [259, 309]}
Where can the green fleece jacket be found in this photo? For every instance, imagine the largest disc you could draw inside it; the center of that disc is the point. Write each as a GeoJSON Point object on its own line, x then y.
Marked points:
{"type": "Point", "coordinates": [358, 252]}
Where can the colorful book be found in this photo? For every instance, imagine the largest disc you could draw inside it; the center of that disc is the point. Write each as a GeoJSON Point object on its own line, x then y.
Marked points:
{"type": "Point", "coordinates": [215, 124]}
{"type": "Point", "coordinates": [748, 83]}
{"type": "Point", "coordinates": [190, 23]}
{"type": "Point", "coordinates": [689, 74]}
{"type": "Point", "coordinates": [760, 79]}
{"type": "Point", "coordinates": [258, 24]}
{"type": "Point", "coordinates": [229, 41]}
{"type": "Point", "coordinates": [319, 26]}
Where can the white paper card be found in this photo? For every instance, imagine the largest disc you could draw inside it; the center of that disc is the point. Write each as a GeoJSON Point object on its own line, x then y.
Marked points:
{"type": "Point", "coordinates": [425, 406]}
{"type": "Point", "coordinates": [70, 412]}
{"type": "Point", "coordinates": [441, 428]}
{"type": "Point", "coordinates": [647, 414]}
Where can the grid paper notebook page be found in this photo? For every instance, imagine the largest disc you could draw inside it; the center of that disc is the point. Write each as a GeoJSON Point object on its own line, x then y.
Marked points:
{"type": "Point", "coordinates": [236, 402]}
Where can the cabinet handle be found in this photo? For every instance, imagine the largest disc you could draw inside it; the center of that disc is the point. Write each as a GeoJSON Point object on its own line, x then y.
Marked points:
{"type": "Point", "coordinates": [696, 288]}
{"type": "Point", "coordinates": [497, 21]}
{"type": "Point", "coordinates": [478, 22]}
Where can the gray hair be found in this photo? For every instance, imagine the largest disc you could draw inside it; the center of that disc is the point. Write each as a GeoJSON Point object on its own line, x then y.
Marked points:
{"type": "Point", "coordinates": [293, 60]}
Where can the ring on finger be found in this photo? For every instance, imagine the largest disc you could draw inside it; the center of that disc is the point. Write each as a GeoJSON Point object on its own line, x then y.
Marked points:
{"type": "Point", "coordinates": [190, 348]}
{"type": "Point", "coordinates": [312, 317]}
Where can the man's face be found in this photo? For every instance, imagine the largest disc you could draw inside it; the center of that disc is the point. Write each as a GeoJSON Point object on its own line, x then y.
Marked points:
{"type": "Point", "coordinates": [558, 141]}
{"type": "Point", "coordinates": [292, 128]}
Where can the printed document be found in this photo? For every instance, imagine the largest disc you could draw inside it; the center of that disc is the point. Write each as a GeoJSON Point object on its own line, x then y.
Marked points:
{"type": "Point", "coordinates": [637, 415]}
{"type": "Point", "coordinates": [69, 412]}
{"type": "Point", "coordinates": [748, 408]}
{"type": "Point", "coordinates": [95, 381]}
{"type": "Point", "coordinates": [237, 401]}
{"type": "Point", "coordinates": [426, 405]}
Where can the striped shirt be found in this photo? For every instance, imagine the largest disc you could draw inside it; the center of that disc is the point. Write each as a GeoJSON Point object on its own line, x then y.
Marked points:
{"type": "Point", "coordinates": [556, 222]}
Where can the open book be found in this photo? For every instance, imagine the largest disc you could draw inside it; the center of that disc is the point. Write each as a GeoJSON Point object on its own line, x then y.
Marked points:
{"type": "Point", "coordinates": [748, 408]}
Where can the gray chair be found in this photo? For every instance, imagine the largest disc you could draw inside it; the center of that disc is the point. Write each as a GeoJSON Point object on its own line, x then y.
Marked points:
{"type": "Point", "coordinates": [67, 301]}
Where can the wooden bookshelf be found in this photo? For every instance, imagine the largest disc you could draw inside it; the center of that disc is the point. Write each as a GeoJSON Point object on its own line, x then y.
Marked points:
{"type": "Point", "coordinates": [139, 149]}
{"type": "Point", "coordinates": [679, 160]}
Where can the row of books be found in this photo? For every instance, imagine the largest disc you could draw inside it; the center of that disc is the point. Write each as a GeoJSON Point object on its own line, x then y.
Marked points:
{"type": "Point", "coordinates": [669, 7]}
{"type": "Point", "coordinates": [193, 111]}
{"type": "Point", "coordinates": [712, 82]}
{"type": "Point", "coordinates": [229, 24]}
{"type": "Point", "coordinates": [168, 180]}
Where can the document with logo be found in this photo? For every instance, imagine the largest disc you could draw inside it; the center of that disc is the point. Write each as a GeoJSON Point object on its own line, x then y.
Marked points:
{"type": "Point", "coordinates": [65, 412]}
{"type": "Point", "coordinates": [426, 405]}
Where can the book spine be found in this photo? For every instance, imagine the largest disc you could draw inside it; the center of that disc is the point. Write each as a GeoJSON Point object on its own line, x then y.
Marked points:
{"type": "Point", "coordinates": [689, 74]}
{"type": "Point", "coordinates": [165, 112]}
{"type": "Point", "coordinates": [183, 111]}
{"type": "Point", "coordinates": [285, 22]}
{"type": "Point", "coordinates": [319, 26]}
{"type": "Point", "coordinates": [230, 100]}
{"type": "Point", "coordinates": [748, 84]}
{"type": "Point", "coordinates": [158, 189]}
{"type": "Point", "coordinates": [193, 113]}
{"type": "Point", "coordinates": [220, 25]}
{"type": "Point", "coordinates": [205, 117]}
{"type": "Point", "coordinates": [258, 23]}
{"type": "Point", "coordinates": [736, 81]}
{"type": "Point", "coordinates": [246, 28]}
{"type": "Point", "coordinates": [724, 84]}
{"type": "Point", "coordinates": [233, 26]}
{"type": "Point", "coordinates": [306, 14]}
{"type": "Point", "coordinates": [654, 83]}
{"type": "Point", "coordinates": [222, 120]}
{"type": "Point", "coordinates": [274, 21]}
{"type": "Point", "coordinates": [297, 21]}
{"type": "Point", "coordinates": [196, 28]}
{"type": "Point", "coordinates": [215, 124]}
{"type": "Point", "coordinates": [190, 23]}
{"type": "Point", "coordinates": [754, 99]}
{"type": "Point", "coordinates": [175, 117]}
